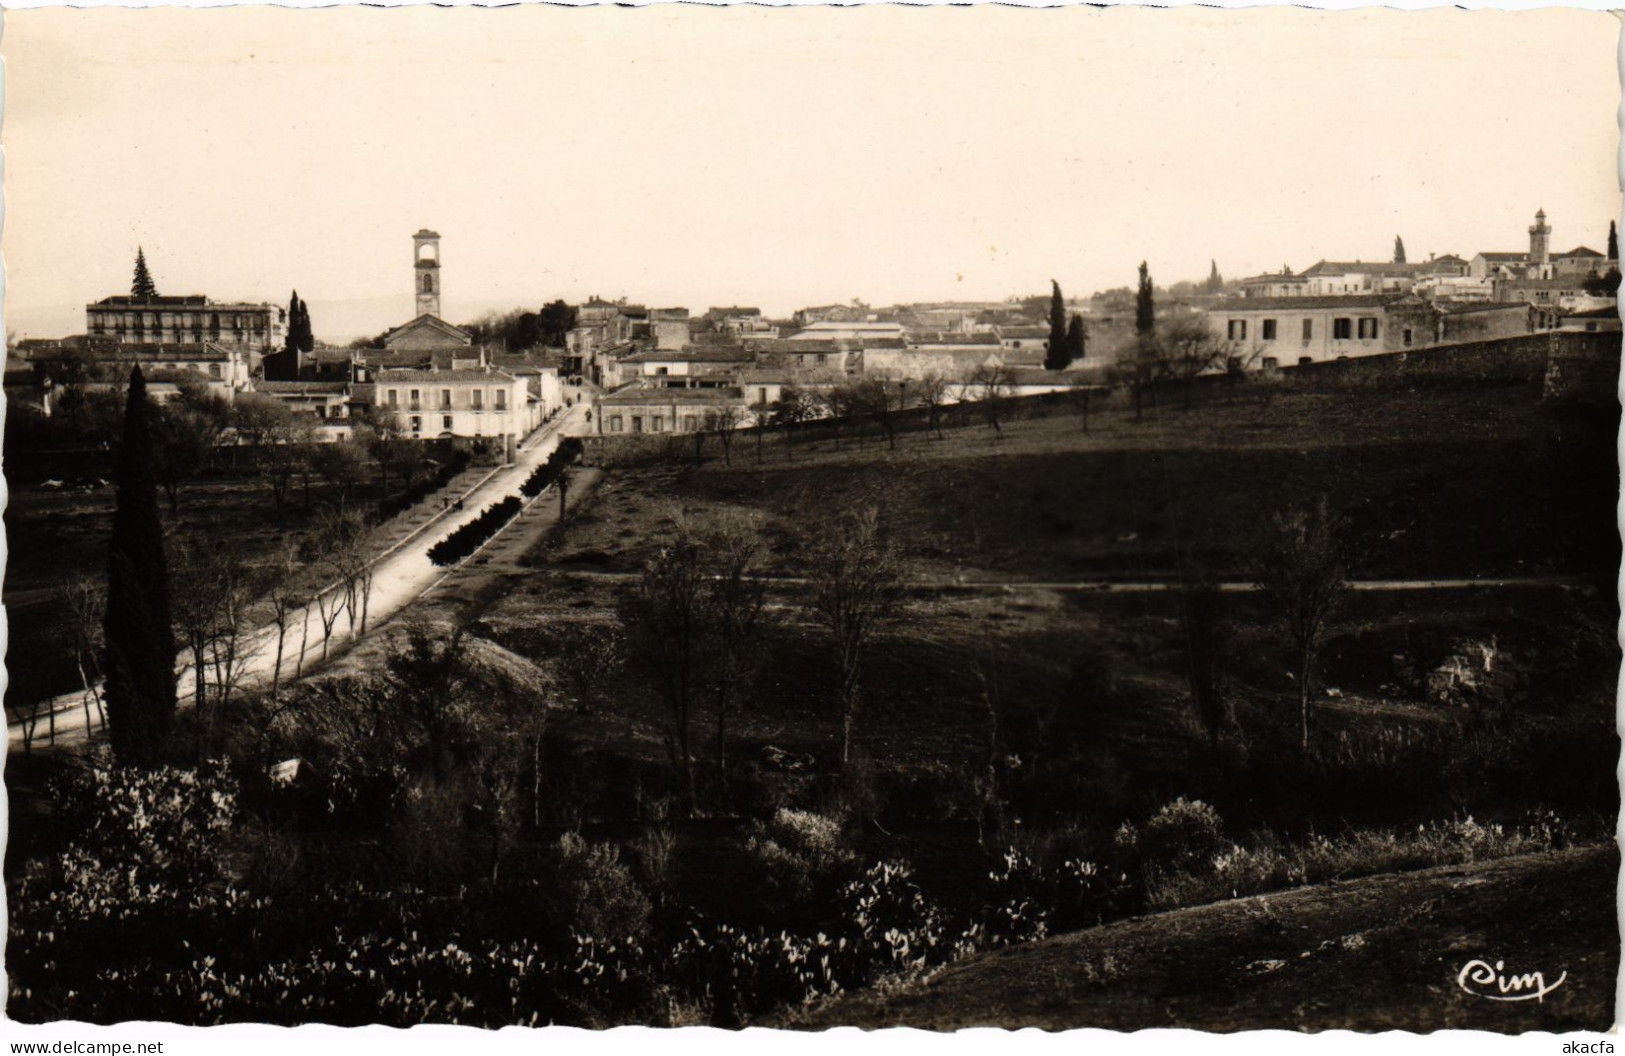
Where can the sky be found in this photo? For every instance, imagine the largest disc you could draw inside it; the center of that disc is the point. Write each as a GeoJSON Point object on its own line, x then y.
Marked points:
{"type": "Point", "coordinates": [701, 156]}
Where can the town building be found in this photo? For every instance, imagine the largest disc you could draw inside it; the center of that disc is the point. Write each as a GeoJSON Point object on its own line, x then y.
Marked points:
{"type": "Point", "coordinates": [189, 320]}
{"type": "Point", "coordinates": [424, 404]}
{"type": "Point", "coordinates": [1270, 332]}
{"type": "Point", "coordinates": [654, 409]}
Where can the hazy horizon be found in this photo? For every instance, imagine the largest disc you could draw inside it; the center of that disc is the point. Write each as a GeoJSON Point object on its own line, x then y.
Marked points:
{"type": "Point", "coordinates": [777, 157]}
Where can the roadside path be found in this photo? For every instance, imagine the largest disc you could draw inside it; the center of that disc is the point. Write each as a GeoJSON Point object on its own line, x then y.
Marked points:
{"type": "Point", "coordinates": [400, 574]}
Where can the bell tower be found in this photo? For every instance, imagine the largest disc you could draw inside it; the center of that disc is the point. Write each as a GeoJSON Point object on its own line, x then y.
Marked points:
{"type": "Point", "coordinates": [426, 272]}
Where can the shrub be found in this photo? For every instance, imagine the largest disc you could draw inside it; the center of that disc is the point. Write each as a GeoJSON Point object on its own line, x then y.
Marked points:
{"type": "Point", "coordinates": [797, 854]}
{"type": "Point", "coordinates": [590, 892]}
{"type": "Point", "coordinates": [1180, 834]}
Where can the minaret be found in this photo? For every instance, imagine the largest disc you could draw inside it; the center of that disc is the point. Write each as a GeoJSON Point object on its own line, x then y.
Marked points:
{"type": "Point", "coordinates": [1540, 241]}
{"type": "Point", "coordinates": [426, 271]}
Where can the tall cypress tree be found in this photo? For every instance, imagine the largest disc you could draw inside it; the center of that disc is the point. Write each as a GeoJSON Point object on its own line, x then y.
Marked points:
{"type": "Point", "coordinates": [1399, 250]}
{"type": "Point", "coordinates": [307, 338]}
{"type": "Point", "coordinates": [1215, 281]}
{"type": "Point", "coordinates": [1077, 340]}
{"type": "Point", "coordinates": [292, 343]}
{"type": "Point", "coordinates": [140, 640]}
{"type": "Point", "coordinates": [1145, 309]}
{"type": "Point", "coordinates": [1056, 350]}
{"type": "Point", "coordinates": [1613, 242]}
{"type": "Point", "coordinates": [141, 286]}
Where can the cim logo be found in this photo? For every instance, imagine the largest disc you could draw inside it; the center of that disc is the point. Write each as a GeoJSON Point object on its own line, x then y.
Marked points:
{"type": "Point", "coordinates": [1480, 979]}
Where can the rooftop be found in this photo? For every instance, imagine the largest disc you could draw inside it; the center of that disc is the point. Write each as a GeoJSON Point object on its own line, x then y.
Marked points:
{"type": "Point", "coordinates": [427, 376]}
{"type": "Point", "coordinates": [1267, 304]}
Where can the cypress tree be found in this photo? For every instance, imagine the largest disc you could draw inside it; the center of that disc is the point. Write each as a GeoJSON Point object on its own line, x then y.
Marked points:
{"type": "Point", "coordinates": [1077, 341]}
{"type": "Point", "coordinates": [1055, 351]}
{"type": "Point", "coordinates": [1215, 281]}
{"type": "Point", "coordinates": [141, 286]}
{"type": "Point", "coordinates": [292, 343]}
{"type": "Point", "coordinates": [1145, 309]}
{"type": "Point", "coordinates": [307, 339]}
{"type": "Point", "coordinates": [1399, 250]}
{"type": "Point", "coordinates": [140, 641]}
{"type": "Point", "coordinates": [1613, 242]}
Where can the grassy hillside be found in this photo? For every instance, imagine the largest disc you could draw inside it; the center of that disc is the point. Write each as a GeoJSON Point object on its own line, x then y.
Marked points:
{"type": "Point", "coordinates": [1440, 483]}
{"type": "Point", "coordinates": [1376, 954]}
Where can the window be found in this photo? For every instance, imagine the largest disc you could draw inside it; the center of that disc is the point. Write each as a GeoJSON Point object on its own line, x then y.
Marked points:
{"type": "Point", "coordinates": [502, 399]}
{"type": "Point", "coordinates": [214, 370]}
{"type": "Point", "coordinates": [1238, 330]}
{"type": "Point", "coordinates": [761, 396]}
{"type": "Point", "coordinates": [822, 359]}
{"type": "Point", "coordinates": [417, 424]}
{"type": "Point", "coordinates": [1342, 329]}
{"type": "Point", "coordinates": [1269, 330]}
{"type": "Point", "coordinates": [445, 422]}
{"type": "Point", "coordinates": [445, 399]}
{"type": "Point", "coordinates": [1270, 362]}
{"type": "Point", "coordinates": [394, 399]}
{"type": "Point", "coordinates": [478, 396]}
{"type": "Point", "coordinates": [661, 372]}
{"type": "Point", "coordinates": [690, 423]}
{"type": "Point", "coordinates": [1304, 361]}
{"type": "Point", "coordinates": [415, 397]}
{"type": "Point", "coordinates": [1407, 338]}
{"type": "Point", "coordinates": [637, 423]}
{"type": "Point", "coordinates": [1308, 330]}
{"type": "Point", "coordinates": [321, 411]}
{"type": "Point", "coordinates": [656, 424]}
{"type": "Point", "coordinates": [615, 424]}
{"type": "Point", "coordinates": [1368, 329]}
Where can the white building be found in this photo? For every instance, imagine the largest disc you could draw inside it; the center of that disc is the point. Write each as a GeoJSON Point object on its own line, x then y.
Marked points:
{"type": "Point", "coordinates": [471, 403]}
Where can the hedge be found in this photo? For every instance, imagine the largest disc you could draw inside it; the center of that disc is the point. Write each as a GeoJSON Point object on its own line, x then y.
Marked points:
{"type": "Point", "coordinates": [465, 540]}
{"type": "Point", "coordinates": [568, 451]}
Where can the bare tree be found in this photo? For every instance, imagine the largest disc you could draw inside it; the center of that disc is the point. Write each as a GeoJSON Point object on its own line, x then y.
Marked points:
{"type": "Point", "coordinates": [665, 622]}
{"type": "Point", "coordinates": [1190, 348]}
{"type": "Point", "coordinates": [85, 598]}
{"type": "Point", "coordinates": [796, 405]}
{"type": "Point", "coordinates": [882, 400]}
{"type": "Point", "coordinates": [587, 654]}
{"type": "Point", "coordinates": [855, 586]}
{"type": "Point", "coordinates": [991, 384]}
{"type": "Point", "coordinates": [723, 421]}
{"type": "Point", "coordinates": [1204, 632]}
{"type": "Point", "coordinates": [1138, 368]}
{"type": "Point", "coordinates": [340, 464]}
{"type": "Point", "coordinates": [183, 438]}
{"type": "Point", "coordinates": [285, 598]}
{"type": "Point", "coordinates": [932, 392]}
{"type": "Point", "coordinates": [737, 603]}
{"type": "Point", "coordinates": [1301, 569]}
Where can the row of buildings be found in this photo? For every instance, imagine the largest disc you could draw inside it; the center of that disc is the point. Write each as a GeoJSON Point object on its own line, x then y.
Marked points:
{"type": "Point", "coordinates": [663, 370]}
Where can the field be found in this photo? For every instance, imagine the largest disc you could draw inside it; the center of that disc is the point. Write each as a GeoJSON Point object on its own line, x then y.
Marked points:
{"type": "Point", "coordinates": [1026, 758]}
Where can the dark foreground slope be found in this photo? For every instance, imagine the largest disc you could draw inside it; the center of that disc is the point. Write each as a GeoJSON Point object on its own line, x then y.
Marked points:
{"type": "Point", "coordinates": [1381, 953]}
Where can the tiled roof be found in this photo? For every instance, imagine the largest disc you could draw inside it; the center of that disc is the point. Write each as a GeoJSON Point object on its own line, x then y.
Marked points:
{"type": "Point", "coordinates": [708, 354]}
{"type": "Point", "coordinates": [639, 395]}
{"type": "Point", "coordinates": [1505, 257]}
{"type": "Point", "coordinates": [1582, 251]}
{"type": "Point", "coordinates": [313, 388]}
{"type": "Point", "coordinates": [1258, 280]}
{"type": "Point", "coordinates": [427, 377]}
{"type": "Point", "coordinates": [958, 340]}
{"type": "Point", "coordinates": [1268, 304]}
{"type": "Point", "coordinates": [1358, 267]}
{"type": "Point", "coordinates": [1023, 331]}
